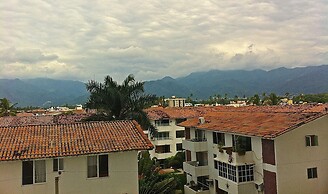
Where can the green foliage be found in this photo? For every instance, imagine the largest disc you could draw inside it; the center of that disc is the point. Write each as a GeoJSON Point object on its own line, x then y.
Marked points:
{"type": "Point", "coordinates": [6, 108]}
{"type": "Point", "coordinates": [118, 102]}
{"type": "Point", "coordinates": [150, 180]}
{"type": "Point", "coordinates": [175, 161]}
{"type": "Point", "coordinates": [320, 98]}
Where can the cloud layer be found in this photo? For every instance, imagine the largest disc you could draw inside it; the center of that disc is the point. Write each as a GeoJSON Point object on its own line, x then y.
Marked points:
{"type": "Point", "coordinates": [151, 39]}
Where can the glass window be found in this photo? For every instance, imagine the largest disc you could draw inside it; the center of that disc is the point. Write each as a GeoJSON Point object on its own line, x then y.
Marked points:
{"type": "Point", "coordinates": [242, 143]}
{"type": "Point", "coordinates": [242, 173]}
{"type": "Point", "coordinates": [27, 172]}
{"type": "Point", "coordinates": [92, 166]}
{"type": "Point", "coordinates": [58, 164]}
{"type": "Point", "coordinates": [312, 173]}
{"type": "Point", "coordinates": [179, 134]}
{"type": "Point", "coordinates": [218, 138]}
{"type": "Point", "coordinates": [33, 172]}
{"type": "Point", "coordinates": [98, 166]}
{"type": "Point", "coordinates": [179, 147]}
{"type": "Point", "coordinates": [311, 140]}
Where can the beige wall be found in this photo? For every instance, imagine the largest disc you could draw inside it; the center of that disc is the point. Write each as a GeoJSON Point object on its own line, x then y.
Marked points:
{"type": "Point", "coordinates": [172, 128]}
{"type": "Point", "coordinates": [293, 158]}
{"type": "Point", "coordinates": [123, 177]}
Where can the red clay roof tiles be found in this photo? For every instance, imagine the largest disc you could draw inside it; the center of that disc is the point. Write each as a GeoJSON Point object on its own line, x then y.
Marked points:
{"type": "Point", "coordinates": [44, 141]}
{"type": "Point", "coordinates": [264, 121]}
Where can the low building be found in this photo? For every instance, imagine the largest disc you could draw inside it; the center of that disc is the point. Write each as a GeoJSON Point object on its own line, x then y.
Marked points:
{"type": "Point", "coordinates": [90, 157]}
{"type": "Point", "coordinates": [279, 149]}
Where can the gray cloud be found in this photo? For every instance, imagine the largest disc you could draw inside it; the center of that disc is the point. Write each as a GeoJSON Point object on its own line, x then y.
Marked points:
{"type": "Point", "coordinates": [152, 39]}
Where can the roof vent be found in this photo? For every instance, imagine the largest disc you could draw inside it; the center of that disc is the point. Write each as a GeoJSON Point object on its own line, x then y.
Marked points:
{"type": "Point", "coordinates": [201, 120]}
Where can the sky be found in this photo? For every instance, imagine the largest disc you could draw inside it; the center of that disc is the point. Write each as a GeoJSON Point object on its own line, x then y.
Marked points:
{"type": "Point", "coordinates": [84, 40]}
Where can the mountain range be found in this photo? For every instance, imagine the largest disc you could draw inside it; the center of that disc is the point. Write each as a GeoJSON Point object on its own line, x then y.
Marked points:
{"type": "Point", "coordinates": [200, 85]}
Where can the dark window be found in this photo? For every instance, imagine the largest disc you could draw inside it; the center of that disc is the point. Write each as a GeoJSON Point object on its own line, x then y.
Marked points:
{"type": "Point", "coordinates": [163, 122]}
{"type": "Point", "coordinates": [97, 166]}
{"type": "Point", "coordinates": [103, 165]}
{"type": "Point", "coordinates": [218, 138]}
{"type": "Point", "coordinates": [312, 173]}
{"type": "Point", "coordinates": [162, 149]}
{"type": "Point", "coordinates": [33, 172]}
{"type": "Point", "coordinates": [27, 172]}
{"type": "Point", "coordinates": [311, 140]}
{"type": "Point", "coordinates": [179, 146]}
{"type": "Point", "coordinates": [177, 121]}
{"type": "Point", "coordinates": [179, 134]}
{"type": "Point", "coordinates": [58, 164]}
{"type": "Point", "coordinates": [215, 164]}
{"type": "Point", "coordinates": [242, 143]}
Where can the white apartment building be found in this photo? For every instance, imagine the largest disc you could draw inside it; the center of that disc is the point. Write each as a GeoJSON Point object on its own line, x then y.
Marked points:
{"type": "Point", "coordinates": [84, 158]}
{"type": "Point", "coordinates": [257, 151]}
{"type": "Point", "coordinates": [167, 140]}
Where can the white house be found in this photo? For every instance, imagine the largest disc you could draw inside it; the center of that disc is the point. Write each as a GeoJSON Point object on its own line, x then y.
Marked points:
{"type": "Point", "coordinates": [252, 150]}
{"type": "Point", "coordinates": [90, 157]}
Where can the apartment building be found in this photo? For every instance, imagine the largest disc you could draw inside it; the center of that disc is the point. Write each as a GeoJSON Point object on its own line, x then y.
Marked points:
{"type": "Point", "coordinates": [175, 102]}
{"type": "Point", "coordinates": [279, 149]}
{"type": "Point", "coordinates": [168, 138]}
{"type": "Point", "coordinates": [90, 157]}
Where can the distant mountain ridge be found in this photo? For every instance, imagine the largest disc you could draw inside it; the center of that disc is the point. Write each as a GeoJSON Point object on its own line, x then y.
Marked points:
{"type": "Point", "coordinates": [43, 92]}
{"type": "Point", "coordinates": [201, 85]}
{"type": "Point", "coordinates": [49, 92]}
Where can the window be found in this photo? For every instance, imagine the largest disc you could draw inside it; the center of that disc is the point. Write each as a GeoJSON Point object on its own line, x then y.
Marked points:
{"type": "Point", "coordinates": [97, 166]}
{"type": "Point", "coordinates": [215, 164]}
{"type": "Point", "coordinates": [242, 143]}
{"type": "Point", "coordinates": [218, 138]}
{"type": "Point", "coordinates": [58, 164]}
{"type": "Point", "coordinates": [163, 135]}
{"type": "Point", "coordinates": [312, 173]}
{"type": "Point", "coordinates": [242, 173]}
{"type": "Point", "coordinates": [177, 121]}
{"type": "Point", "coordinates": [163, 122]}
{"type": "Point", "coordinates": [33, 172]}
{"type": "Point", "coordinates": [245, 173]}
{"type": "Point", "coordinates": [179, 146]}
{"type": "Point", "coordinates": [179, 134]}
{"type": "Point", "coordinates": [163, 149]}
{"type": "Point", "coordinates": [311, 140]}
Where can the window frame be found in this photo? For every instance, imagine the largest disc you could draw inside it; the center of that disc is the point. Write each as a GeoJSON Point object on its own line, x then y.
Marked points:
{"type": "Point", "coordinates": [98, 167]}
{"type": "Point", "coordinates": [34, 173]}
{"type": "Point", "coordinates": [218, 138]}
{"type": "Point", "coordinates": [59, 164]}
{"type": "Point", "coordinates": [311, 140]}
{"type": "Point", "coordinates": [312, 173]}
{"type": "Point", "coordinates": [180, 134]}
{"type": "Point", "coordinates": [237, 174]}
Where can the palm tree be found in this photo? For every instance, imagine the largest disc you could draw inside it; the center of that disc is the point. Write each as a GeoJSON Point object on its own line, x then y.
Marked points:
{"type": "Point", "coordinates": [119, 102]}
{"type": "Point", "coordinates": [6, 108]}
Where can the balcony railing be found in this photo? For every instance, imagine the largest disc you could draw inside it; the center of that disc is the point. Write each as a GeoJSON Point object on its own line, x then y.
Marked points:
{"type": "Point", "coordinates": [188, 189]}
{"type": "Point", "coordinates": [195, 145]}
{"type": "Point", "coordinates": [229, 156]}
{"type": "Point", "coordinates": [196, 168]}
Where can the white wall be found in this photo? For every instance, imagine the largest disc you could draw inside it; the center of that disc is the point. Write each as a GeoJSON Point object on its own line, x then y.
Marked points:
{"type": "Point", "coordinates": [123, 177]}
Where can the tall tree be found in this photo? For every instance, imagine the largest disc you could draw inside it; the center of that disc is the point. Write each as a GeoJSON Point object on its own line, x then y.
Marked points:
{"type": "Point", "coordinates": [6, 108]}
{"type": "Point", "coordinates": [120, 101]}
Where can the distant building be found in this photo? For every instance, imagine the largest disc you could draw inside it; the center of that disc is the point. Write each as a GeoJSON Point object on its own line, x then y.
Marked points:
{"type": "Point", "coordinates": [175, 102]}
{"type": "Point", "coordinates": [251, 150]}
{"type": "Point", "coordinates": [90, 157]}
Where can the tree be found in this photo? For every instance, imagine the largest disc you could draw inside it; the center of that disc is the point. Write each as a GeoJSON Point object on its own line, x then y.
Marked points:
{"type": "Point", "coordinates": [150, 180]}
{"type": "Point", "coordinates": [6, 108]}
{"type": "Point", "coordinates": [119, 102]}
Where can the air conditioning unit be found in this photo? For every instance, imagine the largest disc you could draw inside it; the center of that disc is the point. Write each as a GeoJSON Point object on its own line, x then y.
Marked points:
{"type": "Point", "coordinates": [259, 186]}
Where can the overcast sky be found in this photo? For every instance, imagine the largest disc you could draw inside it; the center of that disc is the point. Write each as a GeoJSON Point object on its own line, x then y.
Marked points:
{"type": "Point", "coordinates": [83, 40]}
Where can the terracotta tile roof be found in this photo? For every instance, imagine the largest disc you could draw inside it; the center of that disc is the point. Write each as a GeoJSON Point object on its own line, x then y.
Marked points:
{"type": "Point", "coordinates": [41, 120]}
{"type": "Point", "coordinates": [45, 141]}
{"type": "Point", "coordinates": [193, 112]}
{"type": "Point", "coordinates": [264, 121]}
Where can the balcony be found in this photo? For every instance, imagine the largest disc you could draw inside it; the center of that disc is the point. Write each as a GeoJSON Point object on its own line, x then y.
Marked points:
{"type": "Point", "coordinates": [195, 169]}
{"type": "Point", "coordinates": [163, 155]}
{"type": "Point", "coordinates": [195, 145]}
{"type": "Point", "coordinates": [161, 140]}
{"type": "Point", "coordinates": [235, 158]}
{"type": "Point", "coordinates": [195, 190]}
